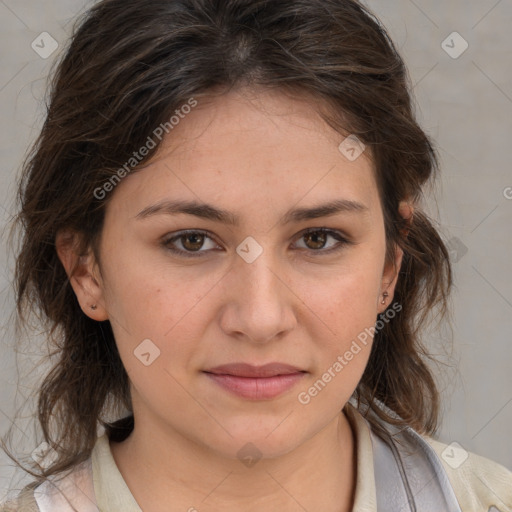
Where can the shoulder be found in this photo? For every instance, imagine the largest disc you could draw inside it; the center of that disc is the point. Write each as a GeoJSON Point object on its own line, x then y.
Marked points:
{"type": "Point", "coordinates": [23, 502]}
{"type": "Point", "coordinates": [478, 483]}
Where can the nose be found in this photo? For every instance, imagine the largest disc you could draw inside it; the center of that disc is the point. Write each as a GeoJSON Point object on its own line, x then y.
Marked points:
{"type": "Point", "coordinates": [260, 304]}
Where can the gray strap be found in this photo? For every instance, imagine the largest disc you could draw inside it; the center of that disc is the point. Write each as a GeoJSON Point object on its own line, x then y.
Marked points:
{"type": "Point", "coordinates": [409, 476]}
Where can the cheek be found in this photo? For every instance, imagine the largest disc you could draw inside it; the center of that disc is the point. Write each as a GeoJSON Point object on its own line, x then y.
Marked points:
{"type": "Point", "coordinates": [346, 298]}
{"type": "Point", "coordinates": [342, 330]}
{"type": "Point", "coordinates": [345, 313]}
{"type": "Point", "coordinates": [165, 305]}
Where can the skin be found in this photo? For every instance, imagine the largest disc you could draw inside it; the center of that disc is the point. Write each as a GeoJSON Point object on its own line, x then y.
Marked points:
{"type": "Point", "coordinates": [257, 154]}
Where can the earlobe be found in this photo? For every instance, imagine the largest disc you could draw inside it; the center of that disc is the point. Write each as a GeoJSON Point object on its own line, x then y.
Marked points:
{"type": "Point", "coordinates": [80, 271]}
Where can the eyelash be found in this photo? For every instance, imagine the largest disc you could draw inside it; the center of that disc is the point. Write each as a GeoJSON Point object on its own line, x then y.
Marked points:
{"type": "Point", "coordinates": [343, 241]}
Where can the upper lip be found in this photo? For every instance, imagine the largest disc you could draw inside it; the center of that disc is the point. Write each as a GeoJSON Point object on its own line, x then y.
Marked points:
{"type": "Point", "coordinates": [247, 370]}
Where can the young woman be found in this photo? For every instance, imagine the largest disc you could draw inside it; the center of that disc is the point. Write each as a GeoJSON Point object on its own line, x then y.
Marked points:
{"type": "Point", "coordinates": [221, 227]}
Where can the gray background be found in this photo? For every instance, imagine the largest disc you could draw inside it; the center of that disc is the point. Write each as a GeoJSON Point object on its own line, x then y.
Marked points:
{"type": "Point", "coordinates": [465, 103]}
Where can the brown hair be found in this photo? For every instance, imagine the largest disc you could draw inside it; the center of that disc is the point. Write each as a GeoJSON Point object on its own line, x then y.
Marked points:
{"type": "Point", "coordinates": [129, 66]}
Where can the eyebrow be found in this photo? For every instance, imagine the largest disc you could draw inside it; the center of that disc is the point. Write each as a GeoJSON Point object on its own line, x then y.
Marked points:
{"type": "Point", "coordinates": [207, 211]}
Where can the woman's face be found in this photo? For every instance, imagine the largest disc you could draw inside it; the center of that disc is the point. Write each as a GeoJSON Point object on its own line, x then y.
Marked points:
{"type": "Point", "coordinates": [249, 285]}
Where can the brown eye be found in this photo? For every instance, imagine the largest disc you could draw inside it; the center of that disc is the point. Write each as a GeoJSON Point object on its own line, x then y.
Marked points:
{"type": "Point", "coordinates": [192, 241]}
{"type": "Point", "coordinates": [322, 241]}
{"type": "Point", "coordinates": [315, 239]}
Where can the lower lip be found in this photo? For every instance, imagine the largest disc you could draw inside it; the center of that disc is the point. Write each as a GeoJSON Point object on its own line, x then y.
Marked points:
{"type": "Point", "coordinates": [257, 388]}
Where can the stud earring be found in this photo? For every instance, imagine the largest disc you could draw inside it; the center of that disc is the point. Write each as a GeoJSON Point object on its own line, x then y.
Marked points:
{"type": "Point", "coordinates": [384, 295]}
{"type": "Point", "coordinates": [94, 306]}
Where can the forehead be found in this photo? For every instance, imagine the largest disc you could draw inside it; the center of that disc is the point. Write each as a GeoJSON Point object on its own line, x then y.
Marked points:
{"type": "Point", "coordinates": [252, 151]}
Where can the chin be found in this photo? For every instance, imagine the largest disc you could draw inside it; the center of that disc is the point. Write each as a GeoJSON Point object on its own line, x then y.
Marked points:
{"type": "Point", "coordinates": [256, 441]}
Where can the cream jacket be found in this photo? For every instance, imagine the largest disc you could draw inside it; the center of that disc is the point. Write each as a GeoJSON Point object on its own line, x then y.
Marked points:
{"type": "Point", "coordinates": [475, 483]}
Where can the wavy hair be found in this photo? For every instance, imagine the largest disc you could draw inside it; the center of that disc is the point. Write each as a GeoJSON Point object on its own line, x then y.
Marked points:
{"type": "Point", "coordinates": [129, 65]}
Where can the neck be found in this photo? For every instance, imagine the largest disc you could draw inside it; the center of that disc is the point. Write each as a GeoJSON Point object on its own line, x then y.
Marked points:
{"type": "Point", "coordinates": [320, 474]}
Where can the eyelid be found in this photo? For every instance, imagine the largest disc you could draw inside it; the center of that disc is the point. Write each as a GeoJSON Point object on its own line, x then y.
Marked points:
{"type": "Point", "coordinates": [167, 239]}
{"type": "Point", "coordinates": [342, 238]}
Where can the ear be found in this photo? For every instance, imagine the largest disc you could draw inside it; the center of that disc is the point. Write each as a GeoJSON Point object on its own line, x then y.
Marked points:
{"type": "Point", "coordinates": [83, 273]}
{"type": "Point", "coordinates": [392, 268]}
{"type": "Point", "coordinates": [406, 210]}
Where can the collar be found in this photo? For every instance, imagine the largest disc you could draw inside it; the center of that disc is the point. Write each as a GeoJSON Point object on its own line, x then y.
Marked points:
{"type": "Point", "coordinates": [399, 463]}
{"type": "Point", "coordinates": [113, 494]}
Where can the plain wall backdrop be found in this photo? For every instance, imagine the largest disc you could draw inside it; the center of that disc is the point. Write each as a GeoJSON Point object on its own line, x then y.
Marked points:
{"type": "Point", "coordinates": [459, 56]}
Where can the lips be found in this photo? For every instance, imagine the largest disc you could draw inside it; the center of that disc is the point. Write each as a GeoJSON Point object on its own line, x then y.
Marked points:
{"type": "Point", "coordinates": [256, 382]}
{"type": "Point", "coordinates": [247, 370]}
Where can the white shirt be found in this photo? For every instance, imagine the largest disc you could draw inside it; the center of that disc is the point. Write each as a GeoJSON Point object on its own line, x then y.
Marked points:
{"type": "Point", "coordinates": [479, 484]}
